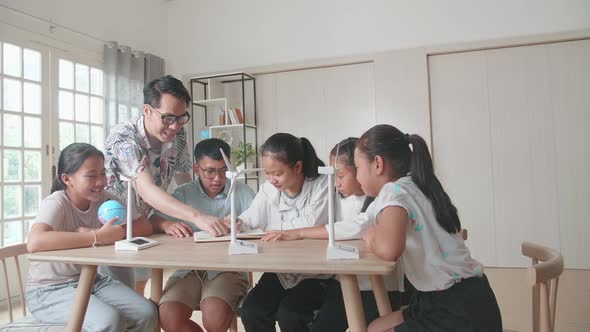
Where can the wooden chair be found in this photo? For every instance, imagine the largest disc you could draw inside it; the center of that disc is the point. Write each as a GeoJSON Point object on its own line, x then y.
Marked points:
{"type": "Point", "coordinates": [543, 276]}
{"type": "Point", "coordinates": [233, 327]}
{"type": "Point", "coordinates": [7, 252]}
{"type": "Point", "coordinates": [27, 323]}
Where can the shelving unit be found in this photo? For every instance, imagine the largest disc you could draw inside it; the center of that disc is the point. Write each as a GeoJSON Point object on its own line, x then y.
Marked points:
{"type": "Point", "coordinates": [214, 97]}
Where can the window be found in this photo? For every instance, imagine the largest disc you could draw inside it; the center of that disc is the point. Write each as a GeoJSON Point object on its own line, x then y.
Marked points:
{"type": "Point", "coordinates": [80, 104]}
{"type": "Point", "coordinates": [76, 113]}
{"type": "Point", "coordinates": [21, 152]}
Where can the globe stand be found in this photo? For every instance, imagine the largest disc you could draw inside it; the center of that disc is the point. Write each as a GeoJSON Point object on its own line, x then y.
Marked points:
{"type": "Point", "coordinates": [135, 244]}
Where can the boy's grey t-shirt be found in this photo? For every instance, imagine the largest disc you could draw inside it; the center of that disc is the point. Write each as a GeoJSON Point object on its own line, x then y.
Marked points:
{"type": "Point", "coordinates": [193, 194]}
{"type": "Point", "coordinates": [59, 212]}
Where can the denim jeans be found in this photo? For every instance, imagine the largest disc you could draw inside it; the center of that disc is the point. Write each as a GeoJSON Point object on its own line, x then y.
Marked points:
{"type": "Point", "coordinates": [127, 275]}
{"type": "Point", "coordinates": [112, 306]}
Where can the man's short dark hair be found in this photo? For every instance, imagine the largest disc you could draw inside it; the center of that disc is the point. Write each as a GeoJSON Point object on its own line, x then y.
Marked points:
{"type": "Point", "coordinates": [210, 148]}
{"type": "Point", "coordinates": [152, 92]}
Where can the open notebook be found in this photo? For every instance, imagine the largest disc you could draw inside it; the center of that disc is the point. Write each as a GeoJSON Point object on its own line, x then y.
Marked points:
{"type": "Point", "coordinates": [204, 236]}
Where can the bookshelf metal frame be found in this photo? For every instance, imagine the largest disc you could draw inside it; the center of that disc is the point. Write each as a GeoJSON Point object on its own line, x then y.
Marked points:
{"type": "Point", "coordinates": [203, 83]}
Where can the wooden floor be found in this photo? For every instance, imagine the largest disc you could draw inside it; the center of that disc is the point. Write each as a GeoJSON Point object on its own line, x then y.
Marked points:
{"type": "Point", "coordinates": [513, 298]}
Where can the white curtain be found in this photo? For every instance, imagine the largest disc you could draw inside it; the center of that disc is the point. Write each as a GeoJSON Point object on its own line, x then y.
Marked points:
{"type": "Point", "coordinates": [125, 73]}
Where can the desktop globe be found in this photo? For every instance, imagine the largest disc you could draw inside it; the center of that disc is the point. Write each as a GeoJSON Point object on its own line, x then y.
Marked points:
{"type": "Point", "coordinates": [111, 209]}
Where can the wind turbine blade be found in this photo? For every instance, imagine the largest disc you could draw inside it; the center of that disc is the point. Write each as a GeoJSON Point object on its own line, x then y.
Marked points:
{"type": "Point", "coordinates": [227, 163]}
{"type": "Point", "coordinates": [336, 159]}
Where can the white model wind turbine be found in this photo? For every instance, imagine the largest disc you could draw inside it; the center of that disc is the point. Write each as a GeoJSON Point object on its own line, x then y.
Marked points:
{"type": "Point", "coordinates": [131, 243]}
{"type": "Point", "coordinates": [237, 247]}
{"type": "Point", "coordinates": [335, 250]}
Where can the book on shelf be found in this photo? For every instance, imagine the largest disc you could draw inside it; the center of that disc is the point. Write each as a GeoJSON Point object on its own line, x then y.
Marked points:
{"type": "Point", "coordinates": [230, 116]}
{"type": "Point", "coordinates": [236, 115]}
{"type": "Point", "coordinates": [230, 113]}
{"type": "Point", "coordinates": [203, 236]}
{"type": "Point", "coordinates": [222, 116]}
{"type": "Point", "coordinates": [239, 115]}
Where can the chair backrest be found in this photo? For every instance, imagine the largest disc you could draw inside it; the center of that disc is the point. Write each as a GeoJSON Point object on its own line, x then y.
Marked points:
{"type": "Point", "coordinates": [543, 276]}
{"type": "Point", "coordinates": [6, 253]}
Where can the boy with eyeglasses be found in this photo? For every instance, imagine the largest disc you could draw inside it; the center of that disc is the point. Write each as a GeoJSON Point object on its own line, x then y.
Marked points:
{"type": "Point", "coordinates": [152, 150]}
{"type": "Point", "coordinates": [217, 294]}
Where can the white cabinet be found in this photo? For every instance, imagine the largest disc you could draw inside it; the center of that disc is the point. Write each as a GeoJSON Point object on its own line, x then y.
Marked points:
{"type": "Point", "coordinates": [510, 144]}
{"type": "Point", "coordinates": [461, 145]}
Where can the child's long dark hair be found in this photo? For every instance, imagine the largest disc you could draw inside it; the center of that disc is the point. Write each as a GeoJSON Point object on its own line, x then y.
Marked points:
{"type": "Point", "coordinates": [70, 160]}
{"type": "Point", "coordinates": [345, 151]}
{"type": "Point", "coordinates": [289, 149]}
{"type": "Point", "coordinates": [393, 145]}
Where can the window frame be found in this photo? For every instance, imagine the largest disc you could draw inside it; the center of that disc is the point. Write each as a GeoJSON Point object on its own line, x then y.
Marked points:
{"type": "Point", "coordinates": [49, 116]}
{"type": "Point", "coordinates": [44, 148]}
{"type": "Point", "coordinates": [55, 89]}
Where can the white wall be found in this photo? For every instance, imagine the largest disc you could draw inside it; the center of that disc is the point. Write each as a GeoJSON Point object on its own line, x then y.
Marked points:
{"type": "Point", "coordinates": [141, 24]}
{"type": "Point", "coordinates": [339, 100]}
{"type": "Point", "coordinates": [199, 36]}
{"type": "Point", "coordinates": [210, 36]}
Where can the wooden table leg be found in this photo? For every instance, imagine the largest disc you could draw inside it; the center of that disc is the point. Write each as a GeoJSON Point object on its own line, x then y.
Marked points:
{"type": "Point", "coordinates": [81, 298]}
{"type": "Point", "coordinates": [156, 289]}
{"type": "Point", "coordinates": [353, 303]}
{"type": "Point", "coordinates": [381, 297]}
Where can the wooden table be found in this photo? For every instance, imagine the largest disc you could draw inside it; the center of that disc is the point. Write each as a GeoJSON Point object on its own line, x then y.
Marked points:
{"type": "Point", "coordinates": [303, 256]}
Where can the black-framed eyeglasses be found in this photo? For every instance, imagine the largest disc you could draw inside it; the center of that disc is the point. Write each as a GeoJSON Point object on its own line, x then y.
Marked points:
{"type": "Point", "coordinates": [211, 173]}
{"type": "Point", "coordinates": [170, 119]}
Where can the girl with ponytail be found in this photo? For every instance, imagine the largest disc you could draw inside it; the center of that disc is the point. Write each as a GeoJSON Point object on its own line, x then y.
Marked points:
{"type": "Point", "coordinates": [351, 220]}
{"type": "Point", "coordinates": [294, 196]}
{"type": "Point", "coordinates": [417, 225]}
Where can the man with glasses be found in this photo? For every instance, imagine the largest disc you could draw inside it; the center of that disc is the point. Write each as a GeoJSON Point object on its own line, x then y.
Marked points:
{"type": "Point", "coordinates": [152, 150]}
{"type": "Point", "coordinates": [216, 293]}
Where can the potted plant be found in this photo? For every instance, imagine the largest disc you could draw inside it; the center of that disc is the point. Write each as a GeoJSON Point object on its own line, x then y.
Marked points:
{"type": "Point", "coordinates": [238, 154]}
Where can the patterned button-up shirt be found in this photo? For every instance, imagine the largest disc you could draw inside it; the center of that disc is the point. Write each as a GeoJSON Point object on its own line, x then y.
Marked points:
{"type": "Point", "coordinates": [128, 152]}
